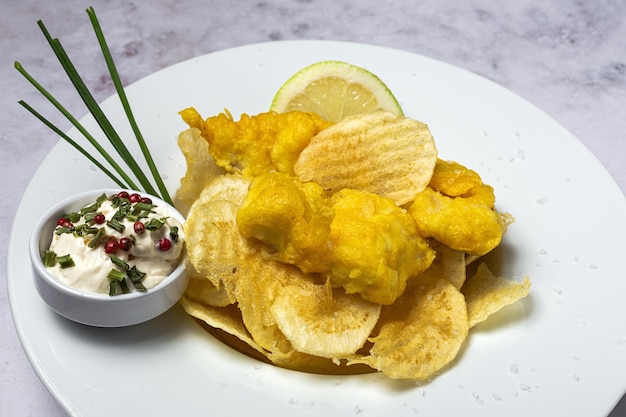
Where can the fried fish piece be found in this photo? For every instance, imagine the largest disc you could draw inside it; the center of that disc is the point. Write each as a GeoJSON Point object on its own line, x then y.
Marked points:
{"type": "Point", "coordinates": [457, 209]}
{"type": "Point", "coordinates": [360, 241]}
{"type": "Point", "coordinates": [256, 144]}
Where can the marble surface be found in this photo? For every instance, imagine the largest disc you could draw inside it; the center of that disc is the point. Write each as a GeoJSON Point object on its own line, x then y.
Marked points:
{"type": "Point", "coordinates": [566, 57]}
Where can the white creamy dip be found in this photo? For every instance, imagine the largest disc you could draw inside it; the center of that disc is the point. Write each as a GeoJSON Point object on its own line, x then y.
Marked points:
{"type": "Point", "coordinates": [92, 266]}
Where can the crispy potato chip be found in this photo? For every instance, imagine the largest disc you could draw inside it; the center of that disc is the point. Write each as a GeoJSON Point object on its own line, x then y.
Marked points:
{"type": "Point", "coordinates": [381, 153]}
{"type": "Point", "coordinates": [486, 293]}
{"type": "Point", "coordinates": [227, 319]}
{"type": "Point", "coordinates": [215, 247]}
{"type": "Point", "coordinates": [257, 287]}
{"type": "Point", "coordinates": [322, 322]}
{"type": "Point", "coordinates": [229, 187]}
{"type": "Point", "coordinates": [448, 264]}
{"type": "Point", "coordinates": [201, 167]}
{"type": "Point", "coordinates": [303, 362]}
{"type": "Point", "coordinates": [226, 325]}
{"type": "Point", "coordinates": [202, 290]}
{"type": "Point", "coordinates": [420, 333]}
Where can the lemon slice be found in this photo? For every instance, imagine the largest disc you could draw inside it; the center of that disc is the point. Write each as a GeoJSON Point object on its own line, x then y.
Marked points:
{"type": "Point", "coordinates": [334, 90]}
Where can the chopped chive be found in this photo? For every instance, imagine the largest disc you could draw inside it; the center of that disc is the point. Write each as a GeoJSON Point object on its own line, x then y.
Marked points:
{"type": "Point", "coordinates": [124, 287]}
{"type": "Point", "coordinates": [174, 233]}
{"type": "Point", "coordinates": [154, 224]}
{"type": "Point", "coordinates": [143, 215]}
{"type": "Point", "coordinates": [116, 274]}
{"type": "Point", "coordinates": [85, 230]}
{"type": "Point", "coordinates": [113, 287]}
{"type": "Point", "coordinates": [90, 208]}
{"type": "Point", "coordinates": [136, 276]}
{"type": "Point", "coordinates": [116, 225]}
{"type": "Point", "coordinates": [117, 201]}
{"type": "Point", "coordinates": [61, 230]}
{"type": "Point", "coordinates": [89, 217]}
{"type": "Point", "coordinates": [97, 238]}
{"type": "Point", "coordinates": [102, 198]}
{"type": "Point", "coordinates": [73, 217]}
{"type": "Point", "coordinates": [119, 262]}
{"type": "Point", "coordinates": [143, 207]}
{"type": "Point", "coordinates": [121, 212]}
{"type": "Point", "coordinates": [49, 258]}
{"type": "Point", "coordinates": [65, 261]}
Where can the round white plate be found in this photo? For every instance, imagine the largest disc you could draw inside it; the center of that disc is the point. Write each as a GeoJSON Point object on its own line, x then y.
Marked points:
{"type": "Point", "coordinates": [562, 349]}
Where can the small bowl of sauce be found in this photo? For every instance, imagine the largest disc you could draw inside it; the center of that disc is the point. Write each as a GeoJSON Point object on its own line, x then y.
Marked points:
{"type": "Point", "coordinates": [110, 258]}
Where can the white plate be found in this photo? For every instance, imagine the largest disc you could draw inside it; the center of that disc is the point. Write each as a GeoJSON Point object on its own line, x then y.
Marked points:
{"type": "Point", "coordinates": [563, 349]}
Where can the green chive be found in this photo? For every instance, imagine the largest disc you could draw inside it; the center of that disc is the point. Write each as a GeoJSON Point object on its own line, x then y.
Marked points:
{"type": "Point", "coordinates": [116, 275]}
{"type": "Point", "coordinates": [121, 212]}
{"type": "Point", "coordinates": [119, 262]}
{"type": "Point", "coordinates": [120, 202]}
{"type": "Point", "coordinates": [113, 287]}
{"type": "Point", "coordinates": [143, 207]}
{"type": "Point", "coordinates": [102, 198]}
{"type": "Point", "coordinates": [85, 230]}
{"type": "Point", "coordinates": [128, 182]}
{"type": "Point", "coordinates": [99, 116]}
{"type": "Point", "coordinates": [97, 238]}
{"type": "Point", "coordinates": [124, 287]}
{"type": "Point", "coordinates": [61, 230]}
{"type": "Point", "coordinates": [73, 217]}
{"type": "Point", "coordinates": [154, 224]}
{"type": "Point", "coordinates": [174, 233]}
{"type": "Point", "coordinates": [122, 95]}
{"type": "Point", "coordinates": [65, 261]}
{"type": "Point", "coordinates": [116, 225]}
{"type": "Point", "coordinates": [90, 208]}
{"type": "Point", "coordinates": [49, 259]}
{"type": "Point", "coordinates": [95, 110]}
{"type": "Point", "coordinates": [89, 217]}
{"type": "Point", "coordinates": [136, 276]}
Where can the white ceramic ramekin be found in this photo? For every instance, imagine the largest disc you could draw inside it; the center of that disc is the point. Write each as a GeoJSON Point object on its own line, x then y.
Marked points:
{"type": "Point", "coordinates": [100, 310]}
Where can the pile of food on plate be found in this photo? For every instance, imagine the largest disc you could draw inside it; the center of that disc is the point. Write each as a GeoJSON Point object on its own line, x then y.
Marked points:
{"type": "Point", "coordinates": [327, 235]}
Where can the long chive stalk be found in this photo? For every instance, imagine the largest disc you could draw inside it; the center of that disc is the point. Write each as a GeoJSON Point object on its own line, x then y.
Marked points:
{"type": "Point", "coordinates": [100, 117]}
{"type": "Point", "coordinates": [124, 100]}
{"type": "Point", "coordinates": [95, 109]}
{"type": "Point", "coordinates": [73, 143]}
{"type": "Point", "coordinates": [130, 183]}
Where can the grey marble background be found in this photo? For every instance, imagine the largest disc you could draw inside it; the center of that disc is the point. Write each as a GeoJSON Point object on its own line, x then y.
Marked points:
{"type": "Point", "coordinates": [566, 57]}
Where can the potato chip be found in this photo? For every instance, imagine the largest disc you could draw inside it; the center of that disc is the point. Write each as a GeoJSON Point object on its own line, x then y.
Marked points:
{"type": "Point", "coordinates": [202, 290]}
{"type": "Point", "coordinates": [322, 322]}
{"type": "Point", "coordinates": [448, 264]}
{"type": "Point", "coordinates": [228, 187]}
{"type": "Point", "coordinates": [486, 293]}
{"type": "Point", "coordinates": [381, 153]}
{"type": "Point", "coordinates": [227, 319]}
{"type": "Point", "coordinates": [420, 333]}
{"type": "Point", "coordinates": [215, 247]}
{"type": "Point", "coordinates": [201, 167]}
